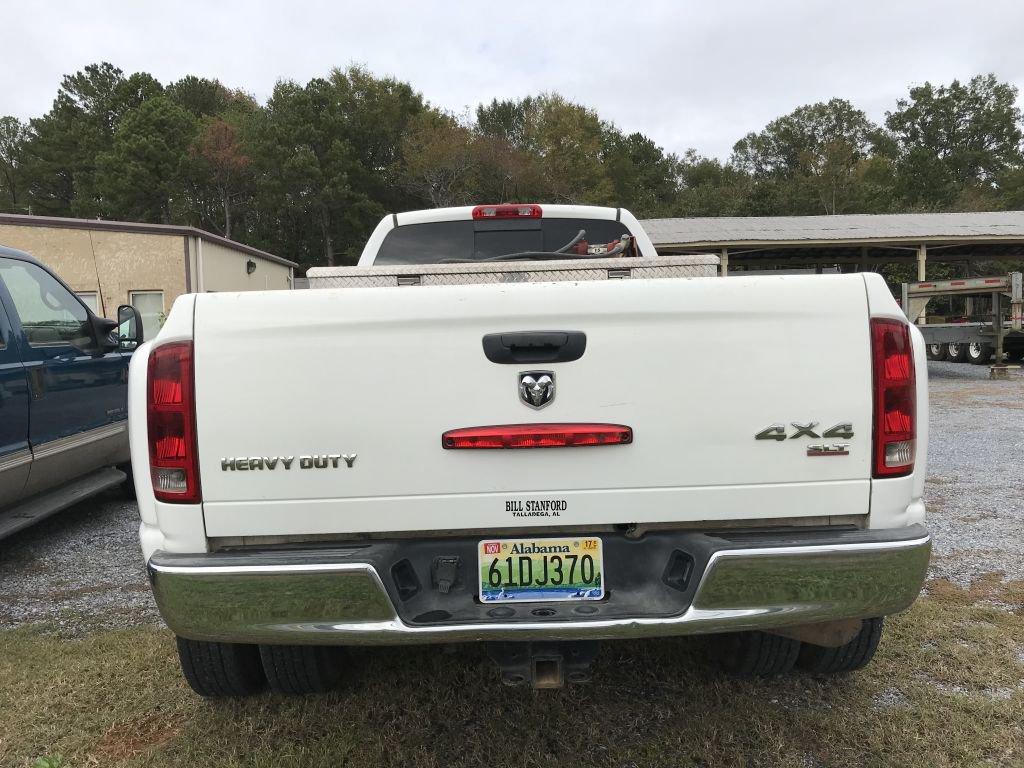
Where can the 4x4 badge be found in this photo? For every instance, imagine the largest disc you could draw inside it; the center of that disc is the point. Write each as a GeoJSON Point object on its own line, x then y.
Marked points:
{"type": "Point", "coordinates": [843, 431]}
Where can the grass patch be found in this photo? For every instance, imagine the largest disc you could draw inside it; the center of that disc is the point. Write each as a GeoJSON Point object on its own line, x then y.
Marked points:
{"type": "Point", "coordinates": [945, 689]}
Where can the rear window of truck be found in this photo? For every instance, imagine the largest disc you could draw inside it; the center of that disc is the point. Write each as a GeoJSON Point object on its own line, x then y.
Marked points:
{"type": "Point", "coordinates": [434, 242]}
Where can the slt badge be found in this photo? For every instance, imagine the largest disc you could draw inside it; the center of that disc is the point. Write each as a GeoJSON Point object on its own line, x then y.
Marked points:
{"type": "Point", "coordinates": [537, 388]}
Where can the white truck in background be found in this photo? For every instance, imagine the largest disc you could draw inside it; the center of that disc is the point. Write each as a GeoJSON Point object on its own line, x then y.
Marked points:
{"type": "Point", "coordinates": [533, 465]}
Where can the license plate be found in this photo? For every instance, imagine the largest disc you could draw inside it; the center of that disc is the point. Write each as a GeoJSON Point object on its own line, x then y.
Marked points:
{"type": "Point", "coordinates": [540, 570]}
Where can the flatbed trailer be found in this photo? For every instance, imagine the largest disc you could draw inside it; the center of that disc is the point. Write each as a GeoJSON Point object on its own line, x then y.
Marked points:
{"type": "Point", "coordinates": [972, 341]}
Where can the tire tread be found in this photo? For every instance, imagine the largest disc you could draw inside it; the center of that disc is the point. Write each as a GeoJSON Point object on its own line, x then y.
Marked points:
{"type": "Point", "coordinates": [759, 654]}
{"type": "Point", "coordinates": [846, 658]}
{"type": "Point", "coordinates": [220, 669]}
{"type": "Point", "coordinates": [301, 669]}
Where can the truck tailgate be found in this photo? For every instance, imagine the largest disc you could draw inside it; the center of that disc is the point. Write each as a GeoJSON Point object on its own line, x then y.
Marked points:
{"type": "Point", "coordinates": [697, 368]}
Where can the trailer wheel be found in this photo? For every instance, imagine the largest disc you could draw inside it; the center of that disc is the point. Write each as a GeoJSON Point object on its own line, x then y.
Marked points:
{"type": "Point", "coordinates": [979, 353]}
{"type": "Point", "coordinates": [301, 669]}
{"type": "Point", "coordinates": [937, 351]}
{"type": "Point", "coordinates": [846, 658]}
{"type": "Point", "coordinates": [220, 669]}
{"type": "Point", "coordinates": [757, 654]}
{"type": "Point", "coordinates": [956, 352]}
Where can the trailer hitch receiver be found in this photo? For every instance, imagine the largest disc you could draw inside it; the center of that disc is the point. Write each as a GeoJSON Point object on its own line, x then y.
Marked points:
{"type": "Point", "coordinates": [544, 665]}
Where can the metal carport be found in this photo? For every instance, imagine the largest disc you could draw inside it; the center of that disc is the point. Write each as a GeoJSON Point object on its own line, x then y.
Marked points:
{"type": "Point", "coordinates": [855, 242]}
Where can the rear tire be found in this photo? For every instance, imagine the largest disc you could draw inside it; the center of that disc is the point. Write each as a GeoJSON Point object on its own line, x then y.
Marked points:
{"type": "Point", "coordinates": [301, 669]}
{"type": "Point", "coordinates": [757, 654]}
{"type": "Point", "coordinates": [1015, 355]}
{"type": "Point", "coordinates": [846, 658]}
{"type": "Point", "coordinates": [220, 669]}
{"type": "Point", "coordinates": [956, 352]}
{"type": "Point", "coordinates": [979, 353]}
{"type": "Point", "coordinates": [937, 351]}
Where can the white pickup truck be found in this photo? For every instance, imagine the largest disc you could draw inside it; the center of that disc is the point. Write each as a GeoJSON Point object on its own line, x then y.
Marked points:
{"type": "Point", "coordinates": [534, 465]}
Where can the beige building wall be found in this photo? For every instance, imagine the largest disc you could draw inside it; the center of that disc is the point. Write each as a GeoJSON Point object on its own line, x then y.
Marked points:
{"type": "Point", "coordinates": [109, 263]}
{"type": "Point", "coordinates": [224, 269]}
{"type": "Point", "coordinates": [113, 263]}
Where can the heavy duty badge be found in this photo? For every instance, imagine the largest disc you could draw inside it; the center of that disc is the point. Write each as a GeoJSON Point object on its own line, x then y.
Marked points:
{"type": "Point", "coordinates": [313, 461]}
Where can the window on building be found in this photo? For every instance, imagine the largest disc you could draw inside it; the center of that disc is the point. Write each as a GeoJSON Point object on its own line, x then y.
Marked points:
{"type": "Point", "coordinates": [150, 305]}
{"type": "Point", "coordinates": [49, 313]}
{"type": "Point", "coordinates": [91, 300]}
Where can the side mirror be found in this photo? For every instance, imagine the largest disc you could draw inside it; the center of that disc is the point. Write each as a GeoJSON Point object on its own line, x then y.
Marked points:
{"type": "Point", "coordinates": [103, 339]}
{"type": "Point", "coordinates": [129, 328]}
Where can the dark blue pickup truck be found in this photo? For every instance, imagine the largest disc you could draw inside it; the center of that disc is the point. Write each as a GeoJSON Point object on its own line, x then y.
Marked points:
{"type": "Point", "coordinates": [63, 394]}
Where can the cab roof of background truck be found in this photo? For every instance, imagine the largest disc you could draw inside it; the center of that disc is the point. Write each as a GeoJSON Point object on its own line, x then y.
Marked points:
{"type": "Point", "coordinates": [465, 213]}
{"type": "Point", "coordinates": [538, 212]}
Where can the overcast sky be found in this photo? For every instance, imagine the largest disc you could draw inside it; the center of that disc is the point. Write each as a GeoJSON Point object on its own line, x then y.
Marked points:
{"type": "Point", "coordinates": [687, 74]}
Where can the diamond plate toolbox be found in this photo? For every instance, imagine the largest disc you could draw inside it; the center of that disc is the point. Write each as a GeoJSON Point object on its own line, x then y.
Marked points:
{"type": "Point", "coordinates": [513, 272]}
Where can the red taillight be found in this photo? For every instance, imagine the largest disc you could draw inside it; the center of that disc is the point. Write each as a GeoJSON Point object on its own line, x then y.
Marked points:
{"type": "Point", "coordinates": [171, 418]}
{"type": "Point", "coordinates": [508, 211]}
{"type": "Point", "coordinates": [537, 436]}
{"type": "Point", "coordinates": [895, 417]}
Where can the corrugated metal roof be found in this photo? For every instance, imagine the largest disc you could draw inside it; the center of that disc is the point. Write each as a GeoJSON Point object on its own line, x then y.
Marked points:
{"type": "Point", "coordinates": [727, 230]}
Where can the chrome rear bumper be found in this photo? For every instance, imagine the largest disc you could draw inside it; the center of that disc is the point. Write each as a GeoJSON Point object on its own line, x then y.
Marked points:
{"type": "Point", "coordinates": [331, 597]}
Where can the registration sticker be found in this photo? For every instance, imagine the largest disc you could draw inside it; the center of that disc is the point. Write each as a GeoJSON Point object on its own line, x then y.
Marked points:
{"type": "Point", "coordinates": [541, 570]}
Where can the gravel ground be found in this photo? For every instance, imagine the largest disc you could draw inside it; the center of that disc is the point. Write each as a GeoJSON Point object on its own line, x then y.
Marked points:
{"type": "Point", "coordinates": [975, 487]}
{"type": "Point", "coordinates": [82, 569]}
{"type": "Point", "coordinates": [79, 570]}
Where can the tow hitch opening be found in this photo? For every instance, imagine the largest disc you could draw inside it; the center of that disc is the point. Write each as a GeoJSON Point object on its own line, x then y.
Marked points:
{"type": "Point", "coordinates": [544, 665]}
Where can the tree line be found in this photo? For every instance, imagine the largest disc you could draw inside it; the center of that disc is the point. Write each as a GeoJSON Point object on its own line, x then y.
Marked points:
{"type": "Point", "coordinates": [309, 173]}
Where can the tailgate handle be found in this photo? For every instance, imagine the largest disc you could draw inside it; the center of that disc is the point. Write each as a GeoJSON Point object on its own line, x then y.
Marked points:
{"type": "Point", "coordinates": [535, 346]}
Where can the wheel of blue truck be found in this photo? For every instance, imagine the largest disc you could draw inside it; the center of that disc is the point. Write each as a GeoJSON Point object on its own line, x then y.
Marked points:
{"type": "Point", "coordinates": [128, 486]}
{"type": "Point", "coordinates": [1015, 355]}
{"type": "Point", "coordinates": [301, 669]}
{"type": "Point", "coordinates": [221, 669]}
{"type": "Point", "coordinates": [757, 654]}
{"type": "Point", "coordinates": [979, 353]}
{"type": "Point", "coordinates": [955, 352]}
{"type": "Point", "coordinates": [846, 658]}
